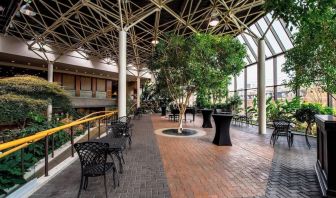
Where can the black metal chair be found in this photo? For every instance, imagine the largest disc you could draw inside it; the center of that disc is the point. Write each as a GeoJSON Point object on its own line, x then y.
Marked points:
{"type": "Point", "coordinates": [138, 112]}
{"type": "Point", "coordinates": [93, 159]}
{"type": "Point", "coordinates": [281, 128]}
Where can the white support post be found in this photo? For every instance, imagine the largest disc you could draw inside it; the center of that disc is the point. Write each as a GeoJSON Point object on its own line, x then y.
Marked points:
{"type": "Point", "coordinates": [122, 74]}
{"type": "Point", "coordinates": [261, 87]}
{"type": "Point", "coordinates": [50, 79]}
{"type": "Point", "coordinates": [138, 92]}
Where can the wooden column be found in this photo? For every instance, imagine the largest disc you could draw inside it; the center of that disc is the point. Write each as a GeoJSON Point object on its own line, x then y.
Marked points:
{"type": "Point", "coordinates": [94, 87]}
{"type": "Point", "coordinates": [108, 88]}
{"type": "Point", "coordinates": [58, 78]}
{"type": "Point", "coordinates": [77, 86]}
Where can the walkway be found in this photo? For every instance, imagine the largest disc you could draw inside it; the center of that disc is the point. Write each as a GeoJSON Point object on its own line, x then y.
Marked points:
{"type": "Point", "coordinates": [158, 166]}
{"type": "Point", "coordinates": [143, 172]}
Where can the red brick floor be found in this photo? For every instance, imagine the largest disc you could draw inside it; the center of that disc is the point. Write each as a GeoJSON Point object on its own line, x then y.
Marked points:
{"type": "Point", "coordinates": [197, 168]}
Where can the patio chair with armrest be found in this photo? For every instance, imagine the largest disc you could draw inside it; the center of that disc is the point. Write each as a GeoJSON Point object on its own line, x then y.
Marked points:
{"type": "Point", "coordinates": [93, 159]}
{"type": "Point", "coordinates": [282, 128]}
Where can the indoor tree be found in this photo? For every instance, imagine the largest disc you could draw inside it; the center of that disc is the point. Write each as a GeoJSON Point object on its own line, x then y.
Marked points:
{"type": "Point", "coordinates": [185, 64]}
{"type": "Point", "coordinates": [312, 60]}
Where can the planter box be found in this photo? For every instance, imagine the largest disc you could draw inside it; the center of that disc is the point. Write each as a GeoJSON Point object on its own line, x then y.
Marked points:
{"type": "Point", "coordinates": [326, 159]}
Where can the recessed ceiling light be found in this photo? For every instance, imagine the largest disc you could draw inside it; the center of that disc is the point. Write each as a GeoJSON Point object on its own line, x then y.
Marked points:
{"type": "Point", "coordinates": [2, 8]}
{"type": "Point", "coordinates": [154, 42]}
{"type": "Point", "coordinates": [27, 10]}
{"type": "Point", "coordinates": [76, 70]}
{"type": "Point", "coordinates": [13, 61]}
{"type": "Point", "coordinates": [28, 63]}
{"type": "Point", "coordinates": [101, 74]}
{"type": "Point", "coordinates": [66, 69]}
{"type": "Point", "coordinates": [214, 22]}
{"type": "Point", "coordinates": [85, 72]}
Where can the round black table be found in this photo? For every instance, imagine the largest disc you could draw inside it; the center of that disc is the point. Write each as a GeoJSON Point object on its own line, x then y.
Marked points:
{"type": "Point", "coordinates": [222, 136]}
{"type": "Point", "coordinates": [206, 118]}
{"type": "Point", "coordinates": [163, 110]}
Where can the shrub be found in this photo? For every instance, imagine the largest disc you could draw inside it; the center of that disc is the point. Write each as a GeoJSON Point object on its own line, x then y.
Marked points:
{"type": "Point", "coordinates": [15, 109]}
{"type": "Point", "coordinates": [36, 88]}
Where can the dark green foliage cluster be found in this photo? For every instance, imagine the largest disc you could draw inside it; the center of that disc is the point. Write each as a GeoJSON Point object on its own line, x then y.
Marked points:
{"type": "Point", "coordinates": [15, 109]}
{"type": "Point", "coordinates": [312, 61]}
{"type": "Point", "coordinates": [35, 88]}
{"type": "Point", "coordinates": [307, 111]}
{"type": "Point", "coordinates": [22, 95]}
{"type": "Point", "coordinates": [233, 104]}
{"type": "Point", "coordinates": [292, 110]}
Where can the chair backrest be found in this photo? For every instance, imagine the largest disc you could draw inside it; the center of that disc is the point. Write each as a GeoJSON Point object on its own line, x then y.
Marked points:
{"type": "Point", "coordinates": [119, 128]}
{"type": "Point", "coordinates": [281, 125]}
{"type": "Point", "coordinates": [92, 153]}
{"type": "Point", "coordinates": [125, 119]}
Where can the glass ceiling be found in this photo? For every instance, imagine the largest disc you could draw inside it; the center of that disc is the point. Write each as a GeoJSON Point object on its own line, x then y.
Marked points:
{"type": "Point", "coordinates": [278, 39]}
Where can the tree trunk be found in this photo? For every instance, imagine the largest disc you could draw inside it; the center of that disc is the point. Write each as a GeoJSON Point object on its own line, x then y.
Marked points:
{"type": "Point", "coordinates": [181, 115]}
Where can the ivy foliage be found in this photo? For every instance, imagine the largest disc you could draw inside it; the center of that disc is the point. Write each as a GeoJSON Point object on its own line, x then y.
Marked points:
{"type": "Point", "coordinates": [312, 60]}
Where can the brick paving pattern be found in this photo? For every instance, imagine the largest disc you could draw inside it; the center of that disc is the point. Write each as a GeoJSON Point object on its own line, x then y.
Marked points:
{"type": "Point", "coordinates": [158, 166]}
{"type": "Point", "coordinates": [143, 175]}
{"type": "Point", "coordinates": [197, 168]}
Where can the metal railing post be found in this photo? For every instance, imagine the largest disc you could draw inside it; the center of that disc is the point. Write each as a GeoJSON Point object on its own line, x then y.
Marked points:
{"type": "Point", "coordinates": [72, 141]}
{"type": "Point", "coordinates": [88, 130]}
{"type": "Point", "coordinates": [46, 168]}
{"type": "Point", "coordinates": [99, 128]}
{"type": "Point", "coordinates": [22, 164]}
{"type": "Point", "coordinates": [52, 145]}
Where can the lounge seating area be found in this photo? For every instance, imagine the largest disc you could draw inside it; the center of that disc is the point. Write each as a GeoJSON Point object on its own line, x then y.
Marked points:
{"type": "Point", "coordinates": [252, 167]}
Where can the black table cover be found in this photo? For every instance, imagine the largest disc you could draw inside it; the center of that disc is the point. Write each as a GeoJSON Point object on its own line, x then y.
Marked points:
{"type": "Point", "coordinates": [222, 136]}
{"type": "Point", "coordinates": [206, 118]}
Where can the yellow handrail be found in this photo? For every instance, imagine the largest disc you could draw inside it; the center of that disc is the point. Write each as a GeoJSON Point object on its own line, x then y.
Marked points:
{"type": "Point", "coordinates": [24, 142]}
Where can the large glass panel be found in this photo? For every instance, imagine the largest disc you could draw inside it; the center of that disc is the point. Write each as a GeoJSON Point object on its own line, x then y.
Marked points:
{"type": "Point", "coordinates": [242, 107]}
{"type": "Point", "coordinates": [249, 54]}
{"type": "Point", "coordinates": [252, 76]}
{"type": "Point", "coordinates": [251, 94]}
{"type": "Point", "coordinates": [284, 92]}
{"type": "Point", "coordinates": [282, 76]}
{"type": "Point", "coordinates": [270, 37]}
{"type": "Point", "coordinates": [282, 35]}
{"type": "Point", "coordinates": [255, 30]}
{"type": "Point", "coordinates": [269, 72]}
{"type": "Point", "coordinates": [269, 92]}
{"type": "Point", "coordinates": [314, 95]}
{"type": "Point", "coordinates": [240, 80]}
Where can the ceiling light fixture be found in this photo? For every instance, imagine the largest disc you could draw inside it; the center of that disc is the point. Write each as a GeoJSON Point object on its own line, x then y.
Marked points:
{"type": "Point", "coordinates": [214, 22]}
{"type": "Point", "coordinates": [13, 61]}
{"type": "Point", "coordinates": [2, 8]}
{"type": "Point", "coordinates": [27, 9]}
{"type": "Point", "coordinates": [214, 19]}
{"type": "Point", "coordinates": [154, 42]}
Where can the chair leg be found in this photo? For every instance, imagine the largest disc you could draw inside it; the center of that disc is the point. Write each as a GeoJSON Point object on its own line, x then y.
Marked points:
{"type": "Point", "coordinates": [292, 139]}
{"type": "Point", "coordinates": [80, 187]}
{"type": "Point", "coordinates": [86, 181]}
{"type": "Point", "coordinates": [105, 185]}
{"type": "Point", "coordinates": [288, 141]}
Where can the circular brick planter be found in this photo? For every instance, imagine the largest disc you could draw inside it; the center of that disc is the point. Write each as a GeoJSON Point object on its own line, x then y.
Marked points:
{"type": "Point", "coordinates": [172, 132]}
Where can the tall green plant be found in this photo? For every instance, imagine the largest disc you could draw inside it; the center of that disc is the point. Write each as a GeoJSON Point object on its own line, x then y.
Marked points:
{"type": "Point", "coordinates": [312, 60]}
{"type": "Point", "coordinates": [185, 63]}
